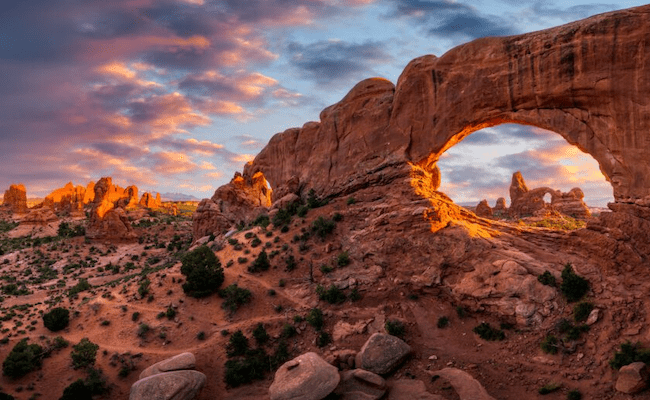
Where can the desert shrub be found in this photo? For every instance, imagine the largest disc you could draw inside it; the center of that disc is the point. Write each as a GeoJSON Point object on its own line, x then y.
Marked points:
{"type": "Point", "coordinates": [203, 272]}
{"type": "Point", "coordinates": [549, 345]}
{"type": "Point", "coordinates": [350, 201]}
{"type": "Point", "coordinates": [315, 318]}
{"type": "Point", "coordinates": [354, 295]}
{"type": "Point", "coordinates": [443, 322]}
{"type": "Point", "coordinates": [56, 319]}
{"type": "Point", "coordinates": [574, 395]}
{"type": "Point", "coordinates": [262, 220]}
{"type": "Point", "coordinates": [323, 227]}
{"type": "Point", "coordinates": [170, 313]}
{"type": "Point", "coordinates": [547, 279]}
{"type": "Point", "coordinates": [283, 216]}
{"type": "Point", "coordinates": [260, 334]}
{"type": "Point", "coordinates": [314, 201]}
{"type": "Point", "coordinates": [395, 327]}
{"type": "Point", "coordinates": [281, 354]}
{"type": "Point", "coordinates": [337, 217]}
{"type": "Point", "coordinates": [59, 343]}
{"type": "Point", "coordinates": [200, 335]}
{"type": "Point", "coordinates": [143, 287]}
{"type": "Point", "coordinates": [302, 211]}
{"type": "Point", "coordinates": [256, 242]}
{"type": "Point", "coordinates": [343, 259]}
{"type": "Point", "coordinates": [84, 353]}
{"type": "Point", "coordinates": [143, 329]}
{"type": "Point", "coordinates": [81, 286]}
{"type": "Point", "coordinates": [77, 390]}
{"type": "Point", "coordinates": [487, 332]}
{"type": "Point", "coordinates": [582, 310]}
{"type": "Point", "coordinates": [261, 263]}
{"type": "Point", "coordinates": [326, 269]}
{"type": "Point", "coordinates": [288, 331]}
{"type": "Point", "coordinates": [237, 345]}
{"type": "Point", "coordinates": [323, 339]}
{"type": "Point", "coordinates": [573, 286]}
{"type": "Point", "coordinates": [22, 359]}
{"type": "Point", "coordinates": [135, 316]}
{"type": "Point", "coordinates": [3, 395]}
{"type": "Point", "coordinates": [332, 295]}
{"type": "Point", "coordinates": [234, 297]}
{"type": "Point", "coordinates": [461, 311]}
{"type": "Point", "coordinates": [549, 388]}
{"type": "Point", "coordinates": [629, 353]}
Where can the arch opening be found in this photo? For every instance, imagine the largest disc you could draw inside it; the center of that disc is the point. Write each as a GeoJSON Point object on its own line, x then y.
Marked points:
{"type": "Point", "coordinates": [514, 171]}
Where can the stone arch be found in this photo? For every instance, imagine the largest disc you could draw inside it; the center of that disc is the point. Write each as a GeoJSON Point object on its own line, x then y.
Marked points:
{"type": "Point", "coordinates": [586, 80]}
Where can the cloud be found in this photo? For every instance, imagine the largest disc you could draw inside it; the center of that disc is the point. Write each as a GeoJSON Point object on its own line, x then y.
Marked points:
{"type": "Point", "coordinates": [450, 19]}
{"type": "Point", "coordinates": [169, 163]}
{"type": "Point", "coordinates": [543, 9]}
{"type": "Point", "coordinates": [249, 142]}
{"type": "Point", "coordinates": [335, 61]}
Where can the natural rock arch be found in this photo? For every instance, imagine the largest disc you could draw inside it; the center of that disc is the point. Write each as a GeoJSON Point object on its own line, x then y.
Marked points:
{"type": "Point", "coordinates": [588, 81]}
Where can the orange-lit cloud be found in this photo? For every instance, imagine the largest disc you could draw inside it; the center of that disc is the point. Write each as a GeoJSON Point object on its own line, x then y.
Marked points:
{"type": "Point", "coordinates": [169, 163]}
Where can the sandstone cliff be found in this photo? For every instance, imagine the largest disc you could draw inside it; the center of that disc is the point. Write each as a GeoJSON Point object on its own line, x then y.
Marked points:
{"type": "Point", "coordinates": [15, 198]}
{"type": "Point", "coordinates": [108, 219]}
{"type": "Point", "coordinates": [69, 199]}
{"type": "Point", "coordinates": [149, 201]}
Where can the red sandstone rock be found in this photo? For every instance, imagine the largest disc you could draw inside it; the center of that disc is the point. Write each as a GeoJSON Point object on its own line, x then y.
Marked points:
{"type": "Point", "coordinates": [483, 209]}
{"type": "Point", "coordinates": [149, 201]}
{"type": "Point", "coordinates": [40, 217]}
{"type": "Point", "coordinates": [15, 198]}
{"type": "Point", "coordinates": [526, 202]}
{"type": "Point", "coordinates": [107, 219]}
{"type": "Point", "coordinates": [66, 200]}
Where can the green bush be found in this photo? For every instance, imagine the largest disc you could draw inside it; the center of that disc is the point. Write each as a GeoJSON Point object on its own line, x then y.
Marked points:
{"type": "Point", "coordinates": [343, 259]}
{"type": "Point", "coordinates": [203, 272]}
{"type": "Point", "coordinates": [574, 395]}
{"type": "Point", "coordinates": [77, 390]}
{"type": "Point", "coordinates": [443, 322]}
{"type": "Point", "coordinates": [261, 263]}
{"type": "Point", "coordinates": [81, 286]}
{"type": "Point", "coordinates": [573, 287]}
{"type": "Point", "coordinates": [237, 345]}
{"type": "Point", "coordinates": [332, 295]}
{"type": "Point", "coordinates": [315, 318]}
{"type": "Point", "coordinates": [291, 263]}
{"type": "Point", "coordinates": [234, 297]}
{"type": "Point", "coordinates": [323, 227]}
{"type": "Point", "coordinates": [56, 319]}
{"type": "Point", "coordinates": [314, 201]}
{"type": "Point", "coordinates": [170, 313]}
{"type": "Point", "coordinates": [582, 310]}
{"type": "Point", "coordinates": [22, 359]}
{"type": "Point", "coordinates": [395, 327]}
{"type": "Point", "coordinates": [143, 287]}
{"type": "Point", "coordinates": [84, 354]}
{"type": "Point", "coordinates": [547, 279]}
{"type": "Point", "coordinates": [288, 331]}
{"type": "Point", "coordinates": [323, 339]}
{"type": "Point", "coordinates": [350, 201]}
{"type": "Point", "coordinates": [630, 352]}
{"type": "Point", "coordinates": [549, 345]}
{"type": "Point", "coordinates": [549, 388]}
{"type": "Point", "coordinates": [487, 332]}
{"type": "Point", "coordinates": [260, 334]}
{"type": "Point", "coordinates": [262, 220]}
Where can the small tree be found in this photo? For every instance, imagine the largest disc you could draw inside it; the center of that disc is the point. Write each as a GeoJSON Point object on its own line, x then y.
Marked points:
{"type": "Point", "coordinates": [260, 334]}
{"type": "Point", "coordinates": [573, 286]}
{"type": "Point", "coordinates": [261, 263]}
{"type": "Point", "coordinates": [56, 319]}
{"type": "Point", "coordinates": [84, 353]}
{"type": "Point", "coordinates": [203, 272]}
{"type": "Point", "coordinates": [22, 359]}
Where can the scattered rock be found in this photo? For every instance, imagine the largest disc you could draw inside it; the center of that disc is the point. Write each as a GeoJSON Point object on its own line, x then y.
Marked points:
{"type": "Point", "coordinates": [632, 378]}
{"type": "Point", "coordinates": [382, 353]}
{"type": "Point", "coordinates": [343, 329]}
{"type": "Point", "coordinates": [175, 385]}
{"type": "Point", "coordinates": [465, 385]}
{"type": "Point", "coordinates": [179, 362]}
{"type": "Point", "coordinates": [593, 316]}
{"type": "Point", "coordinates": [359, 384]}
{"type": "Point", "coordinates": [306, 377]}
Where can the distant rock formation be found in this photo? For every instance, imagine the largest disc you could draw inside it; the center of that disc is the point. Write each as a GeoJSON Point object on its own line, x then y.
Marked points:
{"type": "Point", "coordinates": [40, 217]}
{"type": "Point", "coordinates": [68, 199]}
{"type": "Point", "coordinates": [149, 201]}
{"type": "Point", "coordinates": [15, 198]}
{"type": "Point", "coordinates": [529, 202]}
{"type": "Point", "coordinates": [483, 209]}
{"type": "Point", "coordinates": [108, 219]}
{"type": "Point", "coordinates": [500, 207]}
{"type": "Point", "coordinates": [241, 200]}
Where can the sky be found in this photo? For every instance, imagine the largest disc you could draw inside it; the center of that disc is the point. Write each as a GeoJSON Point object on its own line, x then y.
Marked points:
{"type": "Point", "coordinates": [176, 95]}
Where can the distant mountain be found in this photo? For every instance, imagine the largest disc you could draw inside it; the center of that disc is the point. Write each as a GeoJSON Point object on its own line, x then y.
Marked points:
{"type": "Point", "coordinates": [178, 197]}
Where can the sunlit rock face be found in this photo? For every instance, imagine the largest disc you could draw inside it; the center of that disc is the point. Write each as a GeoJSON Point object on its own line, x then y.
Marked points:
{"type": "Point", "coordinates": [149, 201]}
{"type": "Point", "coordinates": [15, 198]}
{"type": "Point", "coordinates": [239, 201]}
{"type": "Point", "coordinates": [108, 220]}
{"type": "Point", "coordinates": [581, 80]}
{"type": "Point", "coordinates": [69, 199]}
{"type": "Point", "coordinates": [525, 202]}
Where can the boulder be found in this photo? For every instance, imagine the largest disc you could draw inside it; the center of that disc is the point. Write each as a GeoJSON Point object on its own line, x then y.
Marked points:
{"type": "Point", "coordinates": [175, 385]}
{"type": "Point", "coordinates": [465, 385]}
{"type": "Point", "coordinates": [179, 362]}
{"type": "Point", "coordinates": [306, 377]}
{"type": "Point", "coordinates": [359, 384]}
{"type": "Point", "coordinates": [410, 389]}
{"type": "Point", "coordinates": [15, 198]}
{"type": "Point", "coordinates": [632, 378]}
{"type": "Point", "coordinates": [382, 353]}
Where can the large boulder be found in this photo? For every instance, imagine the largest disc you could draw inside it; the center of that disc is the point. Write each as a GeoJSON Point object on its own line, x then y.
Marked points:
{"type": "Point", "coordinates": [359, 384]}
{"type": "Point", "coordinates": [306, 377]}
{"type": "Point", "coordinates": [382, 353]}
{"type": "Point", "coordinates": [178, 362]}
{"type": "Point", "coordinates": [15, 198]}
{"type": "Point", "coordinates": [410, 389]}
{"type": "Point", "coordinates": [175, 385]}
{"type": "Point", "coordinates": [632, 378]}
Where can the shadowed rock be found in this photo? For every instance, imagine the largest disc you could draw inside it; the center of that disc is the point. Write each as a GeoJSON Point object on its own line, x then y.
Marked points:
{"type": "Point", "coordinates": [632, 378]}
{"type": "Point", "coordinates": [359, 384]}
{"type": "Point", "coordinates": [382, 353]}
{"type": "Point", "coordinates": [176, 385]}
{"type": "Point", "coordinates": [15, 198]}
{"type": "Point", "coordinates": [179, 362]}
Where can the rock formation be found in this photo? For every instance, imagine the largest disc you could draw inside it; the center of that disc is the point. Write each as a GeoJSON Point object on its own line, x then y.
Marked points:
{"type": "Point", "coordinates": [382, 353]}
{"type": "Point", "coordinates": [524, 202]}
{"type": "Point", "coordinates": [306, 377]}
{"type": "Point", "coordinates": [241, 200]}
{"type": "Point", "coordinates": [15, 198]}
{"type": "Point", "coordinates": [483, 209]}
{"type": "Point", "coordinates": [170, 379]}
{"type": "Point", "coordinates": [501, 207]}
{"type": "Point", "coordinates": [149, 201]}
{"type": "Point", "coordinates": [108, 219]}
{"type": "Point", "coordinates": [40, 217]}
{"type": "Point", "coordinates": [67, 200]}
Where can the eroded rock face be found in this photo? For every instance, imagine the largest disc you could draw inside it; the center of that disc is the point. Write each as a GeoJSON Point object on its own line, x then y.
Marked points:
{"type": "Point", "coordinates": [382, 353]}
{"type": "Point", "coordinates": [175, 385]}
{"type": "Point", "coordinates": [150, 201]}
{"type": "Point", "coordinates": [15, 198]}
{"type": "Point", "coordinates": [107, 219]}
{"type": "Point", "coordinates": [306, 377]}
{"type": "Point", "coordinates": [40, 217]}
{"type": "Point", "coordinates": [241, 200]}
{"type": "Point", "coordinates": [483, 209]}
{"type": "Point", "coordinates": [69, 199]}
{"type": "Point", "coordinates": [525, 202]}
{"type": "Point", "coordinates": [179, 362]}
